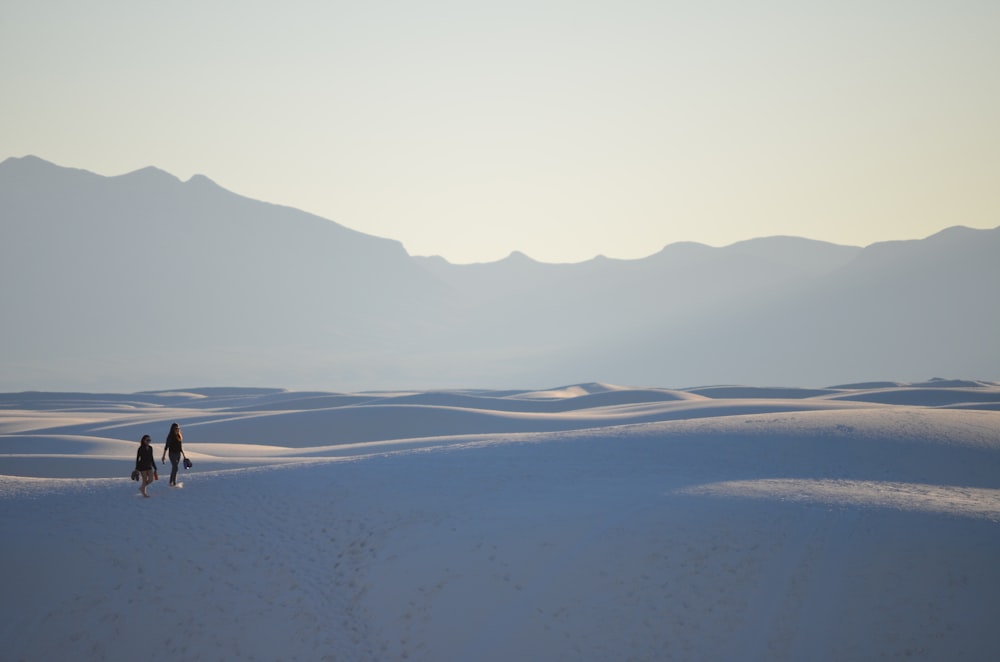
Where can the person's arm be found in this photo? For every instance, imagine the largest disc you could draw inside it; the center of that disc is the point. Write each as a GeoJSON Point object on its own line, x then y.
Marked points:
{"type": "Point", "coordinates": [163, 458]}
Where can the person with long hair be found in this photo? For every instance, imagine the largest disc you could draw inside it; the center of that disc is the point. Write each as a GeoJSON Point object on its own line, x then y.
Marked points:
{"type": "Point", "coordinates": [176, 449]}
{"type": "Point", "coordinates": [145, 464]}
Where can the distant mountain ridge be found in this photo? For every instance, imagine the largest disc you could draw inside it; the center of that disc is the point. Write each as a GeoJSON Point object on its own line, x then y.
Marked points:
{"type": "Point", "coordinates": [144, 281]}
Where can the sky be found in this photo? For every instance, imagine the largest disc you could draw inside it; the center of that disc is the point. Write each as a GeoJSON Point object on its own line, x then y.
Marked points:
{"type": "Point", "coordinates": [561, 129]}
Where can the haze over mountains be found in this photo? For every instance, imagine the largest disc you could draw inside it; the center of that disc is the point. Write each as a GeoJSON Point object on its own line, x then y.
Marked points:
{"type": "Point", "coordinates": [143, 281]}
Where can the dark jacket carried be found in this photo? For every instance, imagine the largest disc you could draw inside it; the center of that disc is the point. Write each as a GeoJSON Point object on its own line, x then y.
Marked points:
{"type": "Point", "coordinates": [144, 459]}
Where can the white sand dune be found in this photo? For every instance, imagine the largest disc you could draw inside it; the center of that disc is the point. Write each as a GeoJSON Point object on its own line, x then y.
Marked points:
{"type": "Point", "coordinates": [588, 522]}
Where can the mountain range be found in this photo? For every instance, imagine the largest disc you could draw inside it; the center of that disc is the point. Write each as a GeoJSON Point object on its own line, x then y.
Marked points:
{"type": "Point", "coordinates": [146, 281]}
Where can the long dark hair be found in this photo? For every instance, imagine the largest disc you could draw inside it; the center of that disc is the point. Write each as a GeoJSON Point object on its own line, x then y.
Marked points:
{"type": "Point", "coordinates": [175, 433]}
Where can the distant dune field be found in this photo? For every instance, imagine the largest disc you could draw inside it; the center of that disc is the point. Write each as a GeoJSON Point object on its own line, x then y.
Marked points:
{"type": "Point", "coordinates": [581, 522]}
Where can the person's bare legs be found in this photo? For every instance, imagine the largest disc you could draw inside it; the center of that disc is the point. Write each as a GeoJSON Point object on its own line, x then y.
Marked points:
{"type": "Point", "coordinates": [147, 478]}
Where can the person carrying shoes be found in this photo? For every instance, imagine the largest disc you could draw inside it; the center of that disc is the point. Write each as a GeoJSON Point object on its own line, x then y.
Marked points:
{"type": "Point", "coordinates": [175, 448]}
{"type": "Point", "coordinates": [145, 464]}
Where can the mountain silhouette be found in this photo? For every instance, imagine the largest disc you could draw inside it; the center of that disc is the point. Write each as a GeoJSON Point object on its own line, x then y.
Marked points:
{"type": "Point", "coordinates": [143, 280]}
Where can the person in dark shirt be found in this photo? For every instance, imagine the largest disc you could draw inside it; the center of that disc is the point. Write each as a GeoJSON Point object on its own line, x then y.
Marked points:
{"type": "Point", "coordinates": [174, 446]}
{"type": "Point", "coordinates": [145, 464]}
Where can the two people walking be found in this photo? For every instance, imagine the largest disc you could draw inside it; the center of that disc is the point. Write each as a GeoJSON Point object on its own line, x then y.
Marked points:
{"type": "Point", "coordinates": [146, 465]}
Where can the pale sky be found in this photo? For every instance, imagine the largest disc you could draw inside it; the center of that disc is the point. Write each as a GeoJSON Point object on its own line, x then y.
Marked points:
{"type": "Point", "coordinates": [563, 129]}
